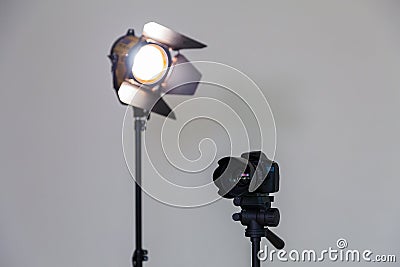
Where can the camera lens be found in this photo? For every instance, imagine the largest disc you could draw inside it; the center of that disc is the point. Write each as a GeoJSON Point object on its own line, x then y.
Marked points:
{"type": "Point", "coordinates": [233, 176]}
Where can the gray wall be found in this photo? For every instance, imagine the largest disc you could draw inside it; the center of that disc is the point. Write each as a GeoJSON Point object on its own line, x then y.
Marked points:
{"type": "Point", "coordinates": [329, 69]}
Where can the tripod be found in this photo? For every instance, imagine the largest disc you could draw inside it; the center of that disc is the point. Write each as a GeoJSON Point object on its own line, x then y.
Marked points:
{"type": "Point", "coordinates": [140, 254]}
{"type": "Point", "coordinates": [257, 215]}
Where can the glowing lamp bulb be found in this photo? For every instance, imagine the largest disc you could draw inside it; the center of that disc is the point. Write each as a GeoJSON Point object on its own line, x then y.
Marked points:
{"type": "Point", "coordinates": [150, 64]}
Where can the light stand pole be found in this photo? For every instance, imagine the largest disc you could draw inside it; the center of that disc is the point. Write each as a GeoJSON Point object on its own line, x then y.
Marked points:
{"type": "Point", "coordinates": [140, 254]}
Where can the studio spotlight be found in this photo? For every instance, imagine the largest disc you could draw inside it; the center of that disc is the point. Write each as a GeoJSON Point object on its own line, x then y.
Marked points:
{"type": "Point", "coordinates": [144, 69]}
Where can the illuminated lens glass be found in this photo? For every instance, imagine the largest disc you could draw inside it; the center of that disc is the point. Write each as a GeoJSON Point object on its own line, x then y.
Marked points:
{"type": "Point", "coordinates": [150, 64]}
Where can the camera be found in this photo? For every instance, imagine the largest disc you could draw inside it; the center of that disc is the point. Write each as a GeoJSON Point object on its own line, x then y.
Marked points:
{"type": "Point", "coordinates": [249, 180]}
{"type": "Point", "coordinates": [250, 174]}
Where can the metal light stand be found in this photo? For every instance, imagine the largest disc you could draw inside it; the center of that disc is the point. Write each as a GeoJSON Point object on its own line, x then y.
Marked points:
{"type": "Point", "coordinates": [257, 215]}
{"type": "Point", "coordinates": [140, 254]}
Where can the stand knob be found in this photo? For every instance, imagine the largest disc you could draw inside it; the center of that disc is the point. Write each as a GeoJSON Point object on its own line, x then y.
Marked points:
{"type": "Point", "coordinates": [270, 218]}
{"type": "Point", "coordinates": [236, 217]}
{"type": "Point", "coordinates": [237, 201]}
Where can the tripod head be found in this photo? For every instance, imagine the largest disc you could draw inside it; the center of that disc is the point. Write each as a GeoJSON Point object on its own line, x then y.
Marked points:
{"type": "Point", "coordinates": [257, 215]}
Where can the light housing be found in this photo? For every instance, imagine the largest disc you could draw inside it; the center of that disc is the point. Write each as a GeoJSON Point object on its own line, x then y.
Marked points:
{"type": "Point", "coordinates": [144, 68]}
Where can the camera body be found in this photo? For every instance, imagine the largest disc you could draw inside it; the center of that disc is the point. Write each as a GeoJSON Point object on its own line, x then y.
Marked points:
{"type": "Point", "coordinates": [249, 175]}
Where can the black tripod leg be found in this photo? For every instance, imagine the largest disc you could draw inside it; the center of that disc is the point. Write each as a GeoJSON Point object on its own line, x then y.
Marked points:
{"type": "Point", "coordinates": [255, 248]}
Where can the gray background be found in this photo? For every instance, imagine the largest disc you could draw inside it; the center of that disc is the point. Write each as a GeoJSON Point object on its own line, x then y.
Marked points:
{"type": "Point", "coordinates": [330, 70]}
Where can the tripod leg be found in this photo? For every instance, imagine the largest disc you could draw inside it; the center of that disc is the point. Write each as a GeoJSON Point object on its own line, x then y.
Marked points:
{"type": "Point", "coordinates": [255, 248]}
